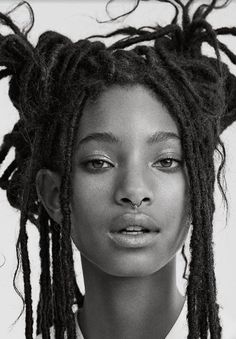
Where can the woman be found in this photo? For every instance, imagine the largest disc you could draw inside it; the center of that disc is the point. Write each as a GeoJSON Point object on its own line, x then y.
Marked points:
{"type": "Point", "coordinates": [115, 149]}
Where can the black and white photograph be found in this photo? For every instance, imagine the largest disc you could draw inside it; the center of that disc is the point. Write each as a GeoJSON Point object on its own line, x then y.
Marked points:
{"type": "Point", "coordinates": [117, 169]}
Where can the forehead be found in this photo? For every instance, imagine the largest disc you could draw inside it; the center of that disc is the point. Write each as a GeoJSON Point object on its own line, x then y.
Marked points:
{"type": "Point", "coordinates": [130, 110]}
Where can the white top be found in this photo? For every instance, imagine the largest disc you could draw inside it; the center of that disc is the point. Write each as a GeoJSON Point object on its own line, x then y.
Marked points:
{"type": "Point", "coordinates": [179, 329]}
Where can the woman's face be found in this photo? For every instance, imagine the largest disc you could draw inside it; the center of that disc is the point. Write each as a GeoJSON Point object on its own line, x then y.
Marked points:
{"type": "Point", "coordinates": [128, 149]}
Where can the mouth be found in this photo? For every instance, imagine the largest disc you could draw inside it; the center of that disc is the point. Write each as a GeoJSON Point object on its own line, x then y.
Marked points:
{"type": "Point", "coordinates": [134, 224]}
{"type": "Point", "coordinates": [133, 239]}
{"type": "Point", "coordinates": [134, 231]}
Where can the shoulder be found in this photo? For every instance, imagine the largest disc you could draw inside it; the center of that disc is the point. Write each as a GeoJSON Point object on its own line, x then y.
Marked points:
{"type": "Point", "coordinates": [180, 328]}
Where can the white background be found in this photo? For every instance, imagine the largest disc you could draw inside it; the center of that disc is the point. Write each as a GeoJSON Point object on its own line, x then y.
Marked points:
{"type": "Point", "coordinates": [76, 19]}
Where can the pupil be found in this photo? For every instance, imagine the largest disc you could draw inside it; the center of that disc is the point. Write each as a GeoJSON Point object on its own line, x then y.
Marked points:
{"type": "Point", "coordinates": [98, 162]}
{"type": "Point", "coordinates": [166, 162]}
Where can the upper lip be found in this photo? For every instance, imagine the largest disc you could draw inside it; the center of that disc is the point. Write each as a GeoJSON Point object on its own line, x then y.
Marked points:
{"type": "Point", "coordinates": [130, 219]}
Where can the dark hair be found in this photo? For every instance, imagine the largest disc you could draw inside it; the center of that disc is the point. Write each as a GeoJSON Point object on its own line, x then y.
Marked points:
{"type": "Point", "coordinates": [49, 85]}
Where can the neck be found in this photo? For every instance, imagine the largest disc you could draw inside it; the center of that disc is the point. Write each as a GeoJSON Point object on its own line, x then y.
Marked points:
{"type": "Point", "coordinates": [129, 307]}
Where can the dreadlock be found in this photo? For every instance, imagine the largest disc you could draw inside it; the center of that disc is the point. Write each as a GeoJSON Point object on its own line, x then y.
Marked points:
{"type": "Point", "coordinates": [49, 85]}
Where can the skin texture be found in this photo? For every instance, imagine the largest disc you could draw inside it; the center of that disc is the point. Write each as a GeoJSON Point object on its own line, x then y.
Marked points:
{"type": "Point", "coordinates": [134, 286]}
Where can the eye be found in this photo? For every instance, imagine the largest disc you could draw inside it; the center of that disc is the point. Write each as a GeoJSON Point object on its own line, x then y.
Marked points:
{"type": "Point", "coordinates": [96, 164]}
{"type": "Point", "coordinates": [168, 163]}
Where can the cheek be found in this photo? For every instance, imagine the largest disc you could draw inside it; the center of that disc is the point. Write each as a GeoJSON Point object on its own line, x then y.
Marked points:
{"type": "Point", "coordinates": [88, 195]}
{"type": "Point", "coordinates": [86, 207]}
{"type": "Point", "coordinates": [175, 207]}
{"type": "Point", "coordinates": [173, 192]}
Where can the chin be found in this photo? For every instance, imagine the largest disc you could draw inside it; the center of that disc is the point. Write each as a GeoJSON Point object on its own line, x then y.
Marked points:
{"type": "Point", "coordinates": [137, 267]}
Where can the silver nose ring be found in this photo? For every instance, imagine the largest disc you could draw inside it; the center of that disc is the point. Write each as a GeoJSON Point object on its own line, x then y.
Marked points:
{"type": "Point", "coordinates": [135, 205]}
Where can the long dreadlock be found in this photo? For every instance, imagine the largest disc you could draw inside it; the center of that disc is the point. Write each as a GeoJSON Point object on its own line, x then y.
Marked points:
{"type": "Point", "coordinates": [49, 85]}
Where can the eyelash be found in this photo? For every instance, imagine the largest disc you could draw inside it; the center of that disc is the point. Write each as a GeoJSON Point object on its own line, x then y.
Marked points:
{"type": "Point", "coordinates": [178, 162]}
{"type": "Point", "coordinates": [94, 160]}
{"type": "Point", "coordinates": [169, 168]}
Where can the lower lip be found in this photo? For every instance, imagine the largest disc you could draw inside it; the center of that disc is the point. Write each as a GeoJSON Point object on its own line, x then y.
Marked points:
{"type": "Point", "coordinates": [131, 240]}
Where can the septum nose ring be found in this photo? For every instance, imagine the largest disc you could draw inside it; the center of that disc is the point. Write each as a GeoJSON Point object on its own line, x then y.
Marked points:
{"type": "Point", "coordinates": [135, 205]}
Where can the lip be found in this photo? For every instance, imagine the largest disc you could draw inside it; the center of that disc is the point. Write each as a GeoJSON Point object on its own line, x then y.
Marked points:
{"type": "Point", "coordinates": [133, 241]}
{"type": "Point", "coordinates": [131, 219]}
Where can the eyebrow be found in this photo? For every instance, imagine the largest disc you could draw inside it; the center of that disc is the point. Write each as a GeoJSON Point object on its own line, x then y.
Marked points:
{"type": "Point", "coordinates": [110, 138]}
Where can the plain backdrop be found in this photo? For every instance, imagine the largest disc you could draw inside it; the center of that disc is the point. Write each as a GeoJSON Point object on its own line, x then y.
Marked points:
{"type": "Point", "coordinates": [77, 19]}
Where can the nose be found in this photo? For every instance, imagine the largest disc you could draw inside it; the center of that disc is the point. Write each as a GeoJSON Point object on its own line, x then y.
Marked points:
{"type": "Point", "coordinates": [134, 186]}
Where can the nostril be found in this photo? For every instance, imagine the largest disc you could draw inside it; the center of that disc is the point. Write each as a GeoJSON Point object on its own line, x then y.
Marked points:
{"type": "Point", "coordinates": [126, 200]}
{"type": "Point", "coordinates": [132, 201]}
{"type": "Point", "coordinates": [135, 201]}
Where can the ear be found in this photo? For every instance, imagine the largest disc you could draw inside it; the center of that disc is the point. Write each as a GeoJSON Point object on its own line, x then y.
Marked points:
{"type": "Point", "coordinates": [48, 191]}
